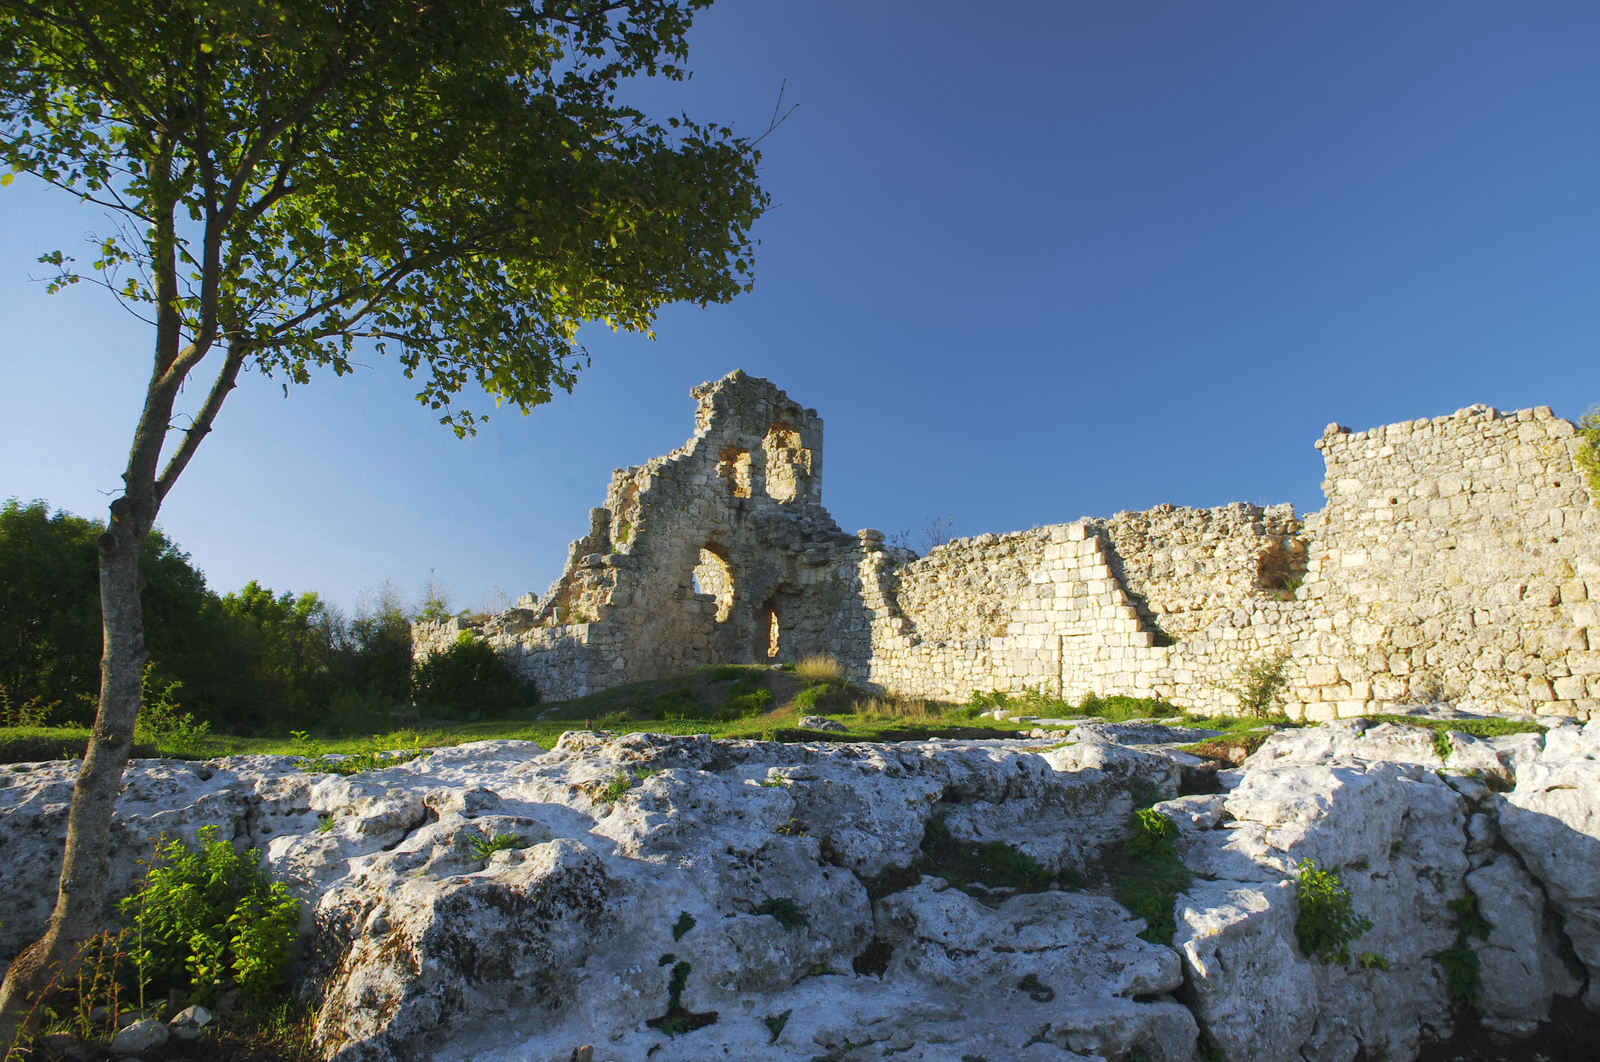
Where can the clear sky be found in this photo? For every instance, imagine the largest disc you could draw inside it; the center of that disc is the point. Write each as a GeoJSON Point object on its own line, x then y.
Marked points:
{"type": "Point", "coordinates": [1030, 261]}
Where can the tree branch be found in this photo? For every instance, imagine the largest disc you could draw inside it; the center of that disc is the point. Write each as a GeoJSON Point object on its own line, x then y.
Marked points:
{"type": "Point", "coordinates": [226, 380]}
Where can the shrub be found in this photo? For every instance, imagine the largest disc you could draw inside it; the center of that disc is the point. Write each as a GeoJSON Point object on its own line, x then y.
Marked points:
{"type": "Point", "coordinates": [1153, 837]}
{"type": "Point", "coordinates": [806, 700]}
{"type": "Point", "coordinates": [820, 669]}
{"type": "Point", "coordinates": [676, 704]}
{"type": "Point", "coordinates": [743, 704]}
{"type": "Point", "coordinates": [1260, 684]}
{"type": "Point", "coordinates": [1327, 922]}
{"type": "Point", "coordinates": [1463, 972]}
{"type": "Point", "coordinates": [617, 786]}
{"type": "Point", "coordinates": [206, 915]}
{"type": "Point", "coordinates": [1587, 456]}
{"type": "Point", "coordinates": [161, 724]}
{"type": "Point", "coordinates": [469, 678]}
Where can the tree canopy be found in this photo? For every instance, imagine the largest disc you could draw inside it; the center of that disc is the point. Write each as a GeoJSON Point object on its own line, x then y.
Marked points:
{"type": "Point", "coordinates": [458, 180]}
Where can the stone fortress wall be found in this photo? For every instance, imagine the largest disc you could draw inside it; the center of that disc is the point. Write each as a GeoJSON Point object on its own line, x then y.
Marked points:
{"type": "Point", "coordinates": [1455, 560]}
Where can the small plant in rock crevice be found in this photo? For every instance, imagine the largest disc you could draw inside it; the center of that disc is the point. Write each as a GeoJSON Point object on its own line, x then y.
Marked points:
{"type": "Point", "coordinates": [686, 922]}
{"type": "Point", "coordinates": [1150, 889]}
{"type": "Point", "coordinates": [1462, 970]}
{"type": "Point", "coordinates": [1328, 922]}
{"type": "Point", "coordinates": [785, 911]}
{"type": "Point", "coordinates": [484, 847]}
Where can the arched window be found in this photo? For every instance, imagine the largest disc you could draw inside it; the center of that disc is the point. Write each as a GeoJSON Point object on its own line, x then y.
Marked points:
{"type": "Point", "coordinates": [768, 645]}
{"type": "Point", "coordinates": [713, 576]}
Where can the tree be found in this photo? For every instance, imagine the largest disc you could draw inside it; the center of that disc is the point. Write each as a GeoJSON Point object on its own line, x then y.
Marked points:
{"type": "Point", "coordinates": [293, 177]}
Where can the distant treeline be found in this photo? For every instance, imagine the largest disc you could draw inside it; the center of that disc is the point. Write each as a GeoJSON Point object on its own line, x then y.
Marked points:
{"type": "Point", "coordinates": [250, 661]}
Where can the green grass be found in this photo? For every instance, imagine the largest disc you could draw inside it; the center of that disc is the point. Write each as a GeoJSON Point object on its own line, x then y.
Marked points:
{"type": "Point", "coordinates": [1478, 728]}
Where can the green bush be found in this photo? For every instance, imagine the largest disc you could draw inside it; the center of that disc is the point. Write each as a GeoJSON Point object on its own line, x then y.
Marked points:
{"type": "Point", "coordinates": [1260, 684]}
{"type": "Point", "coordinates": [1463, 972]}
{"type": "Point", "coordinates": [1587, 456]}
{"type": "Point", "coordinates": [469, 678]}
{"type": "Point", "coordinates": [161, 724]}
{"type": "Point", "coordinates": [206, 916]}
{"type": "Point", "coordinates": [484, 847]}
{"type": "Point", "coordinates": [1328, 922]}
{"type": "Point", "coordinates": [787, 913]}
{"type": "Point", "coordinates": [1150, 890]}
{"type": "Point", "coordinates": [805, 701]}
{"type": "Point", "coordinates": [676, 704]}
{"type": "Point", "coordinates": [744, 705]}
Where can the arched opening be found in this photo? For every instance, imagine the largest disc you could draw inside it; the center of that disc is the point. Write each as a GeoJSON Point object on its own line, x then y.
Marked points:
{"type": "Point", "coordinates": [734, 468]}
{"type": "Point", "coordinates": [713, 576]}
{"type": "Point", "coordinates": [1281, 567]}
{"type": "Point", "coordinates": [788, 463]}
{"type": "Point", "coordinates": [767, 633]}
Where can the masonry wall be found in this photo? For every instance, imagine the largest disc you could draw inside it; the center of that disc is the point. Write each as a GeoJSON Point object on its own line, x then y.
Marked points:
{"type": "Point", "coordinates": [1455, 560]}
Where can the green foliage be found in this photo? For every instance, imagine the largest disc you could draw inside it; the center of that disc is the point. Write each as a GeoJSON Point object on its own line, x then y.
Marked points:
{"type": "Point", "coordinates": [682, 703]}
{"type": "Point", "coordinates": [470, 679]}
{"type": "Point", "coordinates": [1327, 922]}
{"type": "Point", "coordinates": [1152, 837]}
{"type": "Point", "coordinates": [484, 847]}
{"type": "Point", "coordinates": [1587, 456]}
{"type": "Point", "coordinates": [325, 823]}
{"type": "Point", "coordinates": [374, 757]}
{"type": "Point", "coordinates": [727, 672]}
{"type": "Point", "coordinates": [1472, 923]}
{"type": "Point", "coordinates": [1118, 708]}
{"type": "Point", "coordinates": [1463, 972]}
{"type": "Point", "coordinates": [744, 703]}
{"type": "Point", "coordinates": [245, 661]}
{"type": "Point", "coordinates": [775, 1025]}
{"type": "Point", "coordinates": [617, 786]}
{"type": "Point", "coordinates": [461, 182]}
{"type": "Point", "coordinates": [1371, 960]}
{"type": "Point", "coordinates": [1260, 684]}
{"type": "Point", "coordinates": [1150, 888]}
{"type": "Point", "coordinates": [206, 916]}
{"type": "Point", "coordinates": [805, 702]}
{"type": "Point", "coordinates": [161, 724]}
{"type": "Point", "coordinates": [675, 986]}
{"type": "Point", "coordinates": [787, 913]}
{"type": "Point", "coordinates": [684, 923]}
{"type": "Point", "coordinates": [995, 865]}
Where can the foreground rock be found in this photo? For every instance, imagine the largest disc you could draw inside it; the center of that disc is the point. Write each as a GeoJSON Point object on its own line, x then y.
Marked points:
{"type": "Point", "coordinates": [747, 899]}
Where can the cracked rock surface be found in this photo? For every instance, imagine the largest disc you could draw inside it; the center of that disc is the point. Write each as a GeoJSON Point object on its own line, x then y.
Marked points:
{"type": "Point", "coordinates": [759, 900]}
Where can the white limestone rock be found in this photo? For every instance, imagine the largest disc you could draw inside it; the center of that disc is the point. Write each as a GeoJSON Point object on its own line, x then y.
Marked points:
{"type": "Point", "coordinates": [1520, 966]}
{"type": "Point", "coordinates": [1552, 819]}
{"type": "Point", "coordinates": [141, 1036]}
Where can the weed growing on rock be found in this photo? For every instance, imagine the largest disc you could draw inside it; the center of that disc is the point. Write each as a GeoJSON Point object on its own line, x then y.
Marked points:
{"type": "Point", "coordinates": [794, 828]}
{"type": "Point", "coordinates": [1150, 886]}
{"type": "Point", "coordinates": [484, 847]}
{"type": "Point", "coordinates": [995, 865]}
{"type": "Point", "coordinates": [617, 786]}
{"type": "Point", "coordinates": [1473, 924]}
{"type": "Point", "coordinates": [678, 1018]}
{"type": "Point", "coordinates": [1153, 836]}
{"type": "Point", "coordinates": [313, 760]}
{"type": "Point", "coordinates": [207, 916]}
{"type": "Point", "coordinates": [324, 823]}
{"type": "Point", "coordinates": [787, 913]}
{"type": "Point", "coordinates": [775, 1025]}
{"type": "Point", "coordinates": [1371, 960]}
{"type": "Point", "coordinates": [683, 925]}
{"type": "Point", "coordinates": [1462, 972]}
{"type": "Point", "coordinates": [1327, 922]}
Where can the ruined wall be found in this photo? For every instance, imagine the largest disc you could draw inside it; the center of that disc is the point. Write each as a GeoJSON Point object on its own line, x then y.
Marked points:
{"type": "Point", "coordinates": [1454, 560]}
{"type": "Point", "coordinates": [719, 552]}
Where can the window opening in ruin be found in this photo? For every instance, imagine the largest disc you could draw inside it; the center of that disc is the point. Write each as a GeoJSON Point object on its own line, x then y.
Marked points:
{"type": "Point", "coordinates": [771, 646]}
{"type": "Point", "coordinates": [1281, 567]}
{"type": "Point", "coordinates": [788, 463]}
{"type": "Point", "coordinates": [713, 576]}
{"type": "Point", "coordinates": [734, 468]}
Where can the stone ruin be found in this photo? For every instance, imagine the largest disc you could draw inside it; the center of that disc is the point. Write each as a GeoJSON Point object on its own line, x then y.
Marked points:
{"type": "Point", "coordinates": [636, 918]}
{"type": "Point", "coordinates": [1457, 559]}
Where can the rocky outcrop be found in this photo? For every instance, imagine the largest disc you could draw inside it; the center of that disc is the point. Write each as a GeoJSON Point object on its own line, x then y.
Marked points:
{"type": "Point", "coordinates": [684, 898]}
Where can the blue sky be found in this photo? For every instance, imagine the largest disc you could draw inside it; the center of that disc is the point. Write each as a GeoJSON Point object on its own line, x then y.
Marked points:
{"type": "Point", "coordinates": [1030, 261]}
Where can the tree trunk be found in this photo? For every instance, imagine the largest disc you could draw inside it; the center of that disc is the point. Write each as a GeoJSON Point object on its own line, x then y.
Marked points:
{"type": "Point", "coordinates": [80, 910]}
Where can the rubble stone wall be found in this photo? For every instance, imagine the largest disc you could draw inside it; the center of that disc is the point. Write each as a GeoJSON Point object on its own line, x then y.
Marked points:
{"type": "Point", "coordinates": [1453, 561]}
